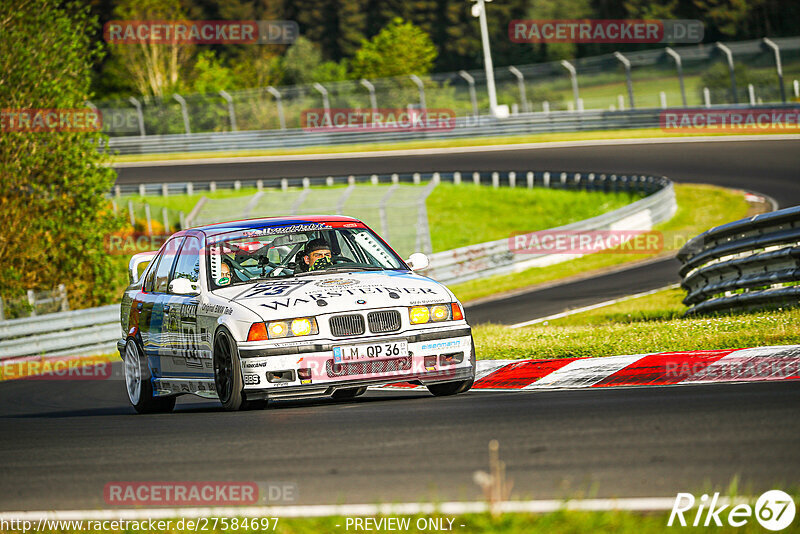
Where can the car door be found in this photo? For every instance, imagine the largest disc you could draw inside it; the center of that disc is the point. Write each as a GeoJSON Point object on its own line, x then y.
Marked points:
{"type": "Point", "coordinates": [182, 316]}
{"type": "Point", "coordinates": [153, 322]}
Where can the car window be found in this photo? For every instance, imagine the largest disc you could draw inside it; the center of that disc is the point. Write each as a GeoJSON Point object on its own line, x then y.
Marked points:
{"type": "Point", "coordinates": [168, 255]}
{"type": "Point", "coordinates": [149, 280]}
{"type": "Point", "coordinates": [188, 265]}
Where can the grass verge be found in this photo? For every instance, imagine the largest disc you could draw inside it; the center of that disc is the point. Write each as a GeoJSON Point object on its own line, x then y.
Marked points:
{"type": "Point", "coordinates": [653, 323]}
{"type": "Point", "coordinates": [593, 135]}
{"type": "Point", "coordinates": [700, 207]}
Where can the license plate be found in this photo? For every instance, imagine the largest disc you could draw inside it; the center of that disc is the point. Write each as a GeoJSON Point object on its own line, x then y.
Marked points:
{"type": "Point", "coordinates": [370, 351]}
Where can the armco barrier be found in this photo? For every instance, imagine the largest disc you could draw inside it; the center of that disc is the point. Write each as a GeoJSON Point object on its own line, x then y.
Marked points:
{"type": "Point", "coordinates": [482, 126]}
{"type": "Point", "coordinates": [745, 264]}
{"type": "Point", "coordinates": [495, 257]}
{"type": "Point", "coordinates": [75, 333]}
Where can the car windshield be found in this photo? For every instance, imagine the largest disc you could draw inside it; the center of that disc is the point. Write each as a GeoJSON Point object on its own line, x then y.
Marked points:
{"type": "Point", "coordinates": [296, 250]}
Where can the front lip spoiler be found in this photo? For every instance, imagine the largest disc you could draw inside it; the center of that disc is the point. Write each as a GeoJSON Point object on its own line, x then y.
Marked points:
{"type": "Point", "coordinates": [323, 347]}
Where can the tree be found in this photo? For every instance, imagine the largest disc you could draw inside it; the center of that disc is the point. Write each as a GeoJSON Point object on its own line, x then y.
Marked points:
{"type": "Point", "coordinates": [54, 184]}
{"type": "Point", "coordinates": [398, 50]}
{"type": "Point", "coordinates": [558, 9]}
{"type": "Point", "coordinates": [300, 61]}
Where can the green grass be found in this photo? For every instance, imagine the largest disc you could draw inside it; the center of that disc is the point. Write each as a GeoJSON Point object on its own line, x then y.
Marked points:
{"type": "Point", "coordinates": [460, 215]}
{"type": "Point", "coordinates": [652, 323]}
{"type": "Point", "coordinates": [700, 207]}
{"type": "Point", "coordinates": [641, 133]}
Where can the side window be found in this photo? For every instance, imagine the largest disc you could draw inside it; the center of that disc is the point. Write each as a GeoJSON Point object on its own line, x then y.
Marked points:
{"type": "Point", "coordinates": [168, 256]}
{"type": "Point", "coordinates": [188, 265]}
{"type": "Point", "coordinates": [149, 281]}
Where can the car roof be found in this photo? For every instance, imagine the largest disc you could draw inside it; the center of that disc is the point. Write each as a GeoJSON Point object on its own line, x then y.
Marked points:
{"type": "Point", "coordinates": [244, 224]}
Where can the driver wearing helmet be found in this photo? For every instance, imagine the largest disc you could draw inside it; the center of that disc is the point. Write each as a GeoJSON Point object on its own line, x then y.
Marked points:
{"type": "Point", "coordinates": [316, 255]}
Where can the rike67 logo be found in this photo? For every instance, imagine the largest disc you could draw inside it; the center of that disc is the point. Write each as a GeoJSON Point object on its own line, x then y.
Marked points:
{"type": "Point", "coordinates": [774, 510]}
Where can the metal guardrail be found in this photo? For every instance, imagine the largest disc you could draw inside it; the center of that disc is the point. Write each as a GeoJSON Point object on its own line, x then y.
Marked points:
{"type": "Point", "coordinates": [482, 126]}
{"type": "Point", "coordinates": [496, 258]}
{"type": "Point", "coordinates": [75, 333]}
{"type": "Point", "coordinates": [745, 264]}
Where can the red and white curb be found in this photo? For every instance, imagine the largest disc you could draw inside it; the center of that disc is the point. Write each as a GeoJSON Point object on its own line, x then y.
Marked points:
{"type": "Point", "coordinates": [655, 369]}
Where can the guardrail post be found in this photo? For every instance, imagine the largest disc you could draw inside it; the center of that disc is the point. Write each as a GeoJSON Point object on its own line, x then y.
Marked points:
{"type": "Point", "coordinates": [395, 179]}
{"type": "Point", "coordinates": [476, 178]}
{"type": "Point", "coordinates": [190, 188]}
{"type": "Point", "coordinates": [184, 112]}
{"type": "Point", "coordinates": [325, 102]}
{"type": "Point", "coordinates": [663, 97]}
{"type": "Point", "coordinates": [529, 178]}
{"type": "Point", "coordinates": [521, 84]}
{"type": "Point", "coordinates": [373, 179]}
{"type": "Point", "coordinates": [472, 97]}
{"type": "Point", "coordinates": [545, 107]}
{"type": "Point", "coordinates": [165, 219]}
{"type": "Point", "coordinates": [117, 191]}
{"type": "Point", "coordinates": [495, 179]}
{"type": "Point", "coordinates": [729, 57]}
{"type": "Point", "coordinates": [306, 183]}
{"type": "Point", "coordinates": [142, 190]}
{"type": "Point", "coordinates": [512, 179]}
{"type": "Point", "coordinates": [259, 185]}
{"type": "Point", "coordinates": [573, 76]}
{"type": "Point", "coordinates": [421, 87]}
{"type": "Point", "coordinates": [139, 114]}
{"type": "Point", "coordinates": [164, 190]}
{"type": "Point", "coordinates": [751, 93]}
{"type": "Point", "coordinates": [629, 82]}
{"type": "Point", "coordinates": [329, 181]}
{"type": "Point", "coordinates": [415, 178]}
{"type": "Point", "coordinates": [796, 86]}
{"type": "Point", "coordinates": [778, 67]}
{"type": "Point", "coordinates": [279, 102]}
{"type": "Point", "coordinates": [231, 113]}
{"type": "Point", "coordinates": [373, 101]}
{"type": "Point", "coordinates": [212, 186]}
{"type": "Point", "coordinates": [237, 185]}
{"type": "Point", "coordinates": [546, 179]}
{"type": "Point", "coordinates": [436, 178]}
{"type": "Point", "coordinates": [284, 184]}
{"type": "Point", "coordinates": [679, 67]}
{"type": "Point", "coordinates": [707, 97]}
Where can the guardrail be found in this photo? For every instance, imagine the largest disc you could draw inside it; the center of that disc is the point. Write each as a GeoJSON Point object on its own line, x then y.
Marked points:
{"type": "Point", "coordinates": [496, 258]}
{"type": "Point", "coordinates": [75, 333]}
{"type": "Point", "coordinates": [745, 264]}
{"type": "Point", "coordinates": [482, 126]}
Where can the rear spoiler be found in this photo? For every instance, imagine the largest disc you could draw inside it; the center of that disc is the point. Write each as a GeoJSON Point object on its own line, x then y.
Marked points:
{"type": "Point", "coordinates": [136, 260]}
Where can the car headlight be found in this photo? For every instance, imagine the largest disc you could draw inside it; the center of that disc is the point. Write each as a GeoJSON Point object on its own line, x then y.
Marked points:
{"type": "Point", "coordinates": [435, 313]}
{"type": "Point", "coordinates": [301, 326]}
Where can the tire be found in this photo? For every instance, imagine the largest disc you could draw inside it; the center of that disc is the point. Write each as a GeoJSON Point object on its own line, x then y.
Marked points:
{"type": "Point", "coordinates": [450, 388]}
{"type": "Point", "coordinates": [349, 393]}
{"type": "Point", "coordinates": [228, 376]}
{"type": "Point", "coordinates": [138, 384]}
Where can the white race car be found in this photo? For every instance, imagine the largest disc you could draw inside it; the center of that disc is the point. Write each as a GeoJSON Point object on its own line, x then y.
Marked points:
{"type": "Point", "coordinates": [282, 308]}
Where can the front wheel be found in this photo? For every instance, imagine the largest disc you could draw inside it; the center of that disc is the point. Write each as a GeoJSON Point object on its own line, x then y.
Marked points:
{"type": "Point", "coordinates": [228, 376]}
{"type": "Point", "coordinates": [138, 384]}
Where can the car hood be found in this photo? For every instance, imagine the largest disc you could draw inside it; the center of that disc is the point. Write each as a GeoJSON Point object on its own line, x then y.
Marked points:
{"type": "Point", "coordinates": [318, 294]}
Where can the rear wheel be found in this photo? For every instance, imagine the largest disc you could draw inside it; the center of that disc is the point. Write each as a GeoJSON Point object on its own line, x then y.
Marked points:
{"type": "Point", "coordinates": [228, 376]}
{"type": "Point", "coordinates": [348, 393]}
{"type": "Point", "coordinates": [450, 388]}
{"type": "Point", "coordinates": [138, 384]}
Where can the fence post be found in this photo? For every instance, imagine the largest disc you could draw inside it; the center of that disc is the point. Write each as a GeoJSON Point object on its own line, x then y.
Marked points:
{"type": "Point", "coordinates": [729, 57]}
{"type": "Point", "coordinates": [190, 188]}
{"type": "Point", "coordinates": [62, 294]}
{"type": "Point", "coordinates": [679, 67]}
{"type": "Point", "coordinates": [325, 102]}
{"type": "Point", "coordinates": [329, 181]}
{"type": "Point", "coordinates": [164, 189]}
{"type": "Point", "coordinates": [545, 107]}
{"type": "Point", "coordinates": [275, 93]}
{"type": "Point", "coordinates": [259, 185]}
{"type": "Point", "coordinates": [373, 101]}
{"type": "Point", "coordinates": [751, 93]}
{"type": "Point", "coordinates": [284, 184]}
{"type": "Point", "coordinates": [139, 114]}
{"type": "Point", "coordinates": [165, 220]}
{"type": "Point", "coordinates": [473, 99]}
{"type": "Point", "coordinates": [184, 112]}
{"type": "Point", "coordinates": [627, 64]}
{"type": "Point", "coordinates": [778, 67]}
{"type": "Point", "coordinates": [421, 87]}
{"type": "Point", "coordinates": [212, 186]}
{"type": "Point", "coordinates": [707, 97]}
{"type": "Point", "coordinates": [231, 113]}
{"type": "Point", "coordinates": [415, 177]}
{"type": "Point", "coordinates": [395, 178]}
{"type": "Point", "coordinates": [573, 76]}
{"type": "Point", "coordinates": [182, 217]}
{"type": "Point", "coordinates": [130, 213]}
{"type": "Point", "coordinates": [620, 102]}
{"type": "Point", "coordinates": [796, 86]}
{"type": "Point", "coordinates": [373, 179]}
{"type": "Point", "coordinates": [663, 97]}
{"type": "Point", "coordinates": [32, 301]}
{"type": "Point", "coordinates": [147, 218]}
{"type": "Point", "coordinates": [521, 84]}
{"type": "Point", "coordinates": [306, 183]}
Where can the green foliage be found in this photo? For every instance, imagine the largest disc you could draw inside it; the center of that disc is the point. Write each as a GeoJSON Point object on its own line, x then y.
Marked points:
{"type": "Point", "coordinates": [300, 61]}
{"type": "Point", "coordinates": [398, 50]}
{"type": "Point", "coordinates": [558, 9]}
{"type": "Point", "coordinates": [210, 75]}
{"type": "Point", "coordinates": [52, 193]}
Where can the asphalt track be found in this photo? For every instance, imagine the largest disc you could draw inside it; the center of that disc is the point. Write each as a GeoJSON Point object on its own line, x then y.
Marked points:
{"type": "Point", "coordinates": [771, 167]}
{"type": "Point", "coordinates": [62, 442]}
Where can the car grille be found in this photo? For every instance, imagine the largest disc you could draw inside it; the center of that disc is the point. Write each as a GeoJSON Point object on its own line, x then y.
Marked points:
{"type": "Point", "coordinates": [384, 321]}
{"type": "Point", "coordinates": [366, 368]}
{"type": "Point", "coordinates": [347, 325]}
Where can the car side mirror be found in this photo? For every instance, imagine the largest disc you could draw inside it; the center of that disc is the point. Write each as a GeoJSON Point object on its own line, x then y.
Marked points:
{"type": "Point", "coordinates": [184, 286]}
{"type": "Point", "coordinates": [418, 261]}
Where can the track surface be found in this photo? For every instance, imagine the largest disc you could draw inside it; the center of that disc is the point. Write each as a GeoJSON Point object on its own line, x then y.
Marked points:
{"type": "Point", "coordinates": [63, 441]}
{"type": "Point", "coordinates": [770, 167]}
